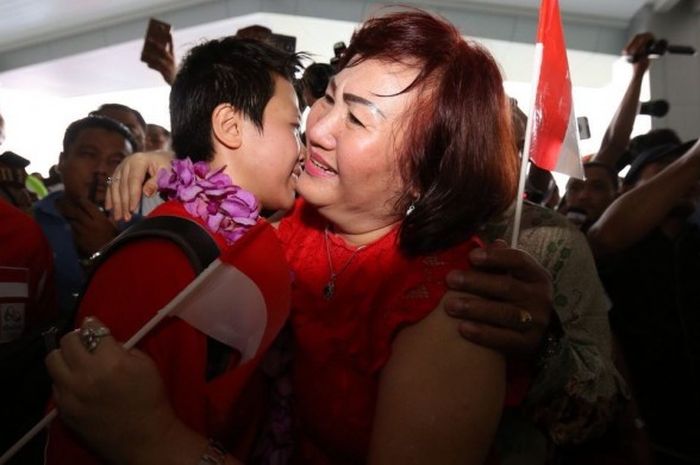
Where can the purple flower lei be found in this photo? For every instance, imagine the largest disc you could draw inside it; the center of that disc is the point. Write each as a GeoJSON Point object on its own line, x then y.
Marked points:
{"type": "Point", "coordinates": [227, 209]}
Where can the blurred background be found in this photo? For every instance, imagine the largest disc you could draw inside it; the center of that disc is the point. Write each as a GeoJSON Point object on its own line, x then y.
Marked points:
{"type": "Point", "coordinates": [60, 59]}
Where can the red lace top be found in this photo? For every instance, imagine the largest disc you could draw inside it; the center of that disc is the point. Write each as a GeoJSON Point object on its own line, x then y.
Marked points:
{"type": "Point", "coordinates": [343, 343]}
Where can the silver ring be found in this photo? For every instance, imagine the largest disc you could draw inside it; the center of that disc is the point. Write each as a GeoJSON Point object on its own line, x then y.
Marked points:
{"type": "Point", "coordinates": [111, 180]}
{"type": "Point", "coordinates": [90, 337]}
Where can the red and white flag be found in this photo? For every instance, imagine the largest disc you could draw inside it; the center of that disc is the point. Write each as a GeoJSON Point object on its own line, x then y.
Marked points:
{"type": "Point", "coordinates": [244, 299]}
{"type": "Point", "coordinates": [241, 299]}
{"type": "Point", "coordinates": [552, 124]}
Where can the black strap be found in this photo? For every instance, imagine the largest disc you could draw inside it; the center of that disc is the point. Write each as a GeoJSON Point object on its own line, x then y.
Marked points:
{"type": "Point", "coordinates": [199, 247]}
{"type": "Point", "coordinates": [191, 237]}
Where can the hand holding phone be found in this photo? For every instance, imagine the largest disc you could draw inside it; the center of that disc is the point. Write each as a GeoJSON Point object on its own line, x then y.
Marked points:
{"type": "Point", "coordinates": [157, 50]}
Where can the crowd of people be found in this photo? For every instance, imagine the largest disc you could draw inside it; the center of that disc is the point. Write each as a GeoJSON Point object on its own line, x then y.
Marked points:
{"type": "Point", "coordinates": [388, 321]}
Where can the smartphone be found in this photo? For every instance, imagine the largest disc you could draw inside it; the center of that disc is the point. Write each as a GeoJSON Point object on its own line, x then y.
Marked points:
{"type": "Point", "coordinates": [283, 42]}
{"type": "Point", "coordinates": [97, 181]}
{"type": "Point", "coordinates": [157, 39]}
{"type": "Point", "coordinates": [584, 130]}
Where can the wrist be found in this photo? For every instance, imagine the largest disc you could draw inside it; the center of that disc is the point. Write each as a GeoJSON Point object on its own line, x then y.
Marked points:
{"type": "Point", "coordinates": [174, 444]}
{"type": "Point", "coordinates": [214, 454]}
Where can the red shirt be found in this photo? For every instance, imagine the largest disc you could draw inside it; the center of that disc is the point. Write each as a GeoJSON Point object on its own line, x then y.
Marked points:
{"type": "Point", "coordinates": [127, 290]}
{"type": "Point", "coordinates": [343, 343]}
{"type": "Point", "coordinates": [27, 292]}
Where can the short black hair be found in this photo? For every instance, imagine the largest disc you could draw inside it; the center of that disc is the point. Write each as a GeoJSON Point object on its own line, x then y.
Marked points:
{"type": "Point", "coordinates": [158, 127]}
{"type": "Point", "coordinates": [229, 70]}
{"type": "Point", "coordinates": [661, 153]}
{"type": "Point", "coordinates": [120, 107]}
{"type": "Point", "coordinates": [96, 121]}
{"type": "Point", "coordinates": [316, 77]}
{"type": "Point", "coordinates": [653, 138]}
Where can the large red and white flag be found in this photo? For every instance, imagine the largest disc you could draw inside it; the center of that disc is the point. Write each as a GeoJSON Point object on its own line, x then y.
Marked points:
{"type": "Point", "coordinates": [552, 124]}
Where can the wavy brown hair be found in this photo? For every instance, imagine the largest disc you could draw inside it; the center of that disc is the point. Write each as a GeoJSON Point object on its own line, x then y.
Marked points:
{"type": "Point", "coordinates": [459, 162]}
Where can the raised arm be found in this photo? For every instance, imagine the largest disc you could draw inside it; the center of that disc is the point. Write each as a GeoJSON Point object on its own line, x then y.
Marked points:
{"type": "Point", "coordinates": [440, 397]}
{"type": "Point", "coordinates": [636, 213]}
{"type": "Point", "coordinates": [616, 137]}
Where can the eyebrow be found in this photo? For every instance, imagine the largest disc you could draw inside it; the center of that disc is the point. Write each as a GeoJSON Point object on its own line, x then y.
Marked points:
{"type": "Point", "coordinates": [357, 99]}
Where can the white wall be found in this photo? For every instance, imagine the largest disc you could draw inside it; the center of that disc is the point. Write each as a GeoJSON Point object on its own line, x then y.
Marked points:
{"type": "Point", "coordinates": [676, 78]}
{"type": "Point", "coordinates": [36, 120]}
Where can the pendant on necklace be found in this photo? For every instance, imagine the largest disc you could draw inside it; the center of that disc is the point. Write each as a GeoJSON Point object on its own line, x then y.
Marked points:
{"type": "Point", "coordinates": [329, 289]}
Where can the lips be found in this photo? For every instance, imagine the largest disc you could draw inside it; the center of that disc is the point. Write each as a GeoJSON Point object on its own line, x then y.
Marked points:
{"type": "Point", "coordinates": [317, 166]}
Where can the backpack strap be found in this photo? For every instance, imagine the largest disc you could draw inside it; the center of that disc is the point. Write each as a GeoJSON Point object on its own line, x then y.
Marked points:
{"type": "Point", "coordinates": [199, 247]}
{"type": "Point", "coordinates": [194, 241]}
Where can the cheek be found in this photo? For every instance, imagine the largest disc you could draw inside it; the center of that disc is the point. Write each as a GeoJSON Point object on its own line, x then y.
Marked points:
{"type": "Point", "coordinates": [369, 165]}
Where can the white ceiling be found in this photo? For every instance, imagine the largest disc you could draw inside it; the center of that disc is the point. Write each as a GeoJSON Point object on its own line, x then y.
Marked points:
{"type": "Point", "coordinates": [117, 67]}
{"type": "Point", "coordinates": [25, 22]}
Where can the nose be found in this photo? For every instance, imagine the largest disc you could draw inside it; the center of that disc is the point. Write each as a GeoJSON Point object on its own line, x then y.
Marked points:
{"type": "Point", "coordinates": [321, 126]}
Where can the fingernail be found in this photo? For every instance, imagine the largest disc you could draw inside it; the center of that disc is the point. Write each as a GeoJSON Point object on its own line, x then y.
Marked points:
{"type": "Point", "coordinates": [455, 278]}
{"type": "Point", "coordinates": [50, 339]}
{"type": "Point", "coordinates": [468, 328]}
{"type": "Point", "coordinates": [455, 307]}
{"type": "Point", "coordinates": [477, 255]}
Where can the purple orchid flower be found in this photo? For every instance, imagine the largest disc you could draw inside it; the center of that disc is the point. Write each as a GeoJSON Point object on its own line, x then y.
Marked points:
{"type": "Point", "coordinates": [226, 209]}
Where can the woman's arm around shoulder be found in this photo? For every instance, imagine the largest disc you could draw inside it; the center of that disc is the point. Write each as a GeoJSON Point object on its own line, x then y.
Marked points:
{"type": "Point", "coordinates": [440, 397]}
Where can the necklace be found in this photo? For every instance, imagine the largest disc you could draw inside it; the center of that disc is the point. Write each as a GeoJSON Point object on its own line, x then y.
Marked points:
{"type": "Point", "coordinates": [329, 288]}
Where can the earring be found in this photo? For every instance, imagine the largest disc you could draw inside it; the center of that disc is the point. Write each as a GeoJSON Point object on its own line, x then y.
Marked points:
{"type": "Point", "coordinates": [412, 207]}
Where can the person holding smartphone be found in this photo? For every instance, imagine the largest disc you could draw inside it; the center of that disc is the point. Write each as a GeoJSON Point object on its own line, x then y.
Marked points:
{"type": "Point", "coordinates": [73, 220]}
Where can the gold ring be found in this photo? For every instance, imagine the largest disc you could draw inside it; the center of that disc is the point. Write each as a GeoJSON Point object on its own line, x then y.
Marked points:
{"type": "Point", "coordinates": [525, 318]}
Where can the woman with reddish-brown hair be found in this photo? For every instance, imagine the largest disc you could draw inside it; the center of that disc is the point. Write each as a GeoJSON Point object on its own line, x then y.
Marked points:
{"type": "Point", "coordinates": [409, 153]}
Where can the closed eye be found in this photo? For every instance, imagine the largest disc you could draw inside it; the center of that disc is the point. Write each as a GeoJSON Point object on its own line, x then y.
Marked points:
{"type": "Point", "coordinates": [354, 120]}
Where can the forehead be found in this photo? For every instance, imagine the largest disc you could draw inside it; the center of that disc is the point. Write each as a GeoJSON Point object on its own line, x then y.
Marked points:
{"type": "Point", "coordinates": [101, 138]}
{"type": "Point", "coordinates": [284, 99]}
{"type": "Point", "coordinates": [654, 168]}
{"type": "Point", "coordinates": [376, 78]}
{"type": "Point", "coordinates": [598, 173]}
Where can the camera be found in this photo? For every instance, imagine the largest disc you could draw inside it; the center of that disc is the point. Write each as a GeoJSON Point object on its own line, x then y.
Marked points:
{"type": "Point", "coordinates": [338, 50]}
{"type": "Point", "coordinates": [657, 48]}
{"type": "Point", "coordinates": [656, 108]}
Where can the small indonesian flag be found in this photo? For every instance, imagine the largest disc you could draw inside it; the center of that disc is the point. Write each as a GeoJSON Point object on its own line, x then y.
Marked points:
{"type": "Point", "coordinates": [552, 125]}
{"type": "Point", "coordinates": [241, 299]}
{"type": "Point", "coordinates": [244, 298]}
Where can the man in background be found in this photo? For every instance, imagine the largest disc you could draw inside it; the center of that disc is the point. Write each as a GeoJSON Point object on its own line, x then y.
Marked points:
{"type": "Point", "coordinates": [74, 220]}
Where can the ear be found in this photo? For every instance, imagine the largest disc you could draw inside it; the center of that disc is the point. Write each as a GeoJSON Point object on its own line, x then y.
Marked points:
{"type": "Point", "coordinates": [61, 161]}
{"type": "Point", "coordinates": [227, 125]}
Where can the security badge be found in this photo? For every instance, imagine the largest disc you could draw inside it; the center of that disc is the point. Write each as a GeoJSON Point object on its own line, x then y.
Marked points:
{"type": "Point", "coordinates": [14, 292]}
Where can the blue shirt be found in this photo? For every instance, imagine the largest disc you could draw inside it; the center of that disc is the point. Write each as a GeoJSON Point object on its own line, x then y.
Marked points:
{"type": "Point", "coordinates": [69, 273]}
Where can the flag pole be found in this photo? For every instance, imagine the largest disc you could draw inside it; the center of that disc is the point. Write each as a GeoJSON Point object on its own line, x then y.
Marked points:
{"type": "Point", "coordinates": [525, 157]}
{"type": "Point", "coordinates": [145, 329]}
